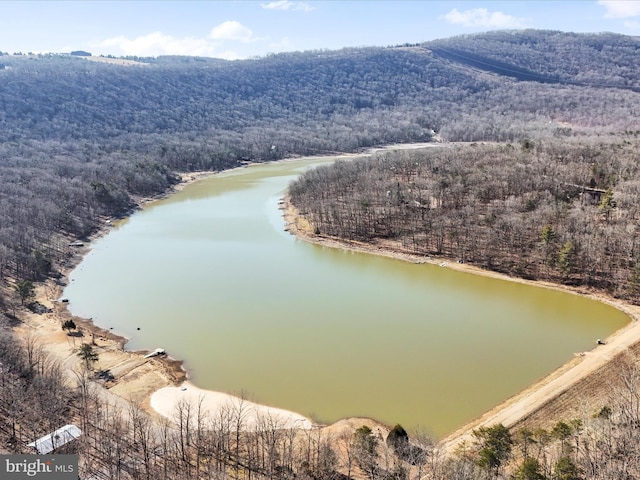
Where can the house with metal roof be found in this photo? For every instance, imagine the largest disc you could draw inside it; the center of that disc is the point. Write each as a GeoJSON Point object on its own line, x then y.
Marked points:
{"type": "Point", "coordinates": [56, 439]}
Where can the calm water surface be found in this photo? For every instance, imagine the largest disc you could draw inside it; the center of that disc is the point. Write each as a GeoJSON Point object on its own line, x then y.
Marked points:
{"type": "Point", "coordinates": [210, 275]}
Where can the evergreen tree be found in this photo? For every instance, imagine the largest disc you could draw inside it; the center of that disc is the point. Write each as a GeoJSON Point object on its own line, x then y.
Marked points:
{"type": "Point", "coordinates": [25, 289]}
{"type": "Point", "coordinates": [495, 444]}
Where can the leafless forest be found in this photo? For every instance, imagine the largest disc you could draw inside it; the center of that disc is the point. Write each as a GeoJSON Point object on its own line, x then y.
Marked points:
{"type": "Point", "coordinates": [82, 141]}
{"type": "Point", "coordinates": [547, 210]}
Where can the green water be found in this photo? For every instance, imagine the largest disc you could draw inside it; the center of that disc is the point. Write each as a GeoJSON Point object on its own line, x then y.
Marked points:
{"type": "Point", "coordinates": [210, 275]}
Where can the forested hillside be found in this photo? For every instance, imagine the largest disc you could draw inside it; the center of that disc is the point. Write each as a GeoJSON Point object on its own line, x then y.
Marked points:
{"type": "Point", "coordinates": [560, 211]}
{"type": "Point", "coordinates": [598, 60]}
{"type": "Point", "coordinates": [80, 139]}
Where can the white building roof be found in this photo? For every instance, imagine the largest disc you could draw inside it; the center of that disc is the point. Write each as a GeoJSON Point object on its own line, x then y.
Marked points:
{"type": "Point", "coordinates": [53, 440]}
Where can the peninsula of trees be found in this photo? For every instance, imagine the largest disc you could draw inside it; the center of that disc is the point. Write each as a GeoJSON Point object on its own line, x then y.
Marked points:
{"type": "Point", "coordinates": [565, 211]}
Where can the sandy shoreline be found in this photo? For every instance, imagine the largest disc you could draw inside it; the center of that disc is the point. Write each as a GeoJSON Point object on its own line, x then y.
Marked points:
{"type": "Point", "coordinates": [158, 384]}
{"type": "Point", "coordinates": [585, 377]}
{"type": "Point", "coordinates": [213, 404]}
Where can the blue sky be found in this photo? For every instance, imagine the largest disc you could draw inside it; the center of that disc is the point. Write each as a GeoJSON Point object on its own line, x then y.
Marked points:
{"type": "Point", "coordinates": [242, 29]}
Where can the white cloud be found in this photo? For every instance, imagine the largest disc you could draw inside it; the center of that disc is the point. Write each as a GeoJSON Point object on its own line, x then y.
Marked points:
{"type": "Point", "coordinates": [283, 44]}
{"type": "Point", "coordinates": [157, 43]}
{"type": "Point", "coordinates": [232, 30]}
{"type": "Point", "coordinates": [632, 24]}
{"type": "Point", "coordinates": [621, 8]}
{"type": "Point", "coordinates": [216, 44]}
{"type": "Point", "coordinates": [481, 17]}
{"type": "Point", "coordinates": [287, 5]}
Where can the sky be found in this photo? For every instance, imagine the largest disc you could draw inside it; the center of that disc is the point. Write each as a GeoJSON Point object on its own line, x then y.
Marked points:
{"type": "Point", "coordinates": [244, 29]}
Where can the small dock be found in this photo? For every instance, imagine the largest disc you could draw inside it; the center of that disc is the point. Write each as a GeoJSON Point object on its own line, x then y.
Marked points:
{"type": "Point", "coordinates": [155, 353]}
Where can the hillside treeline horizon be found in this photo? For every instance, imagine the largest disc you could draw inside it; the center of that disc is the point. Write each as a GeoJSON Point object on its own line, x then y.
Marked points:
{"type": "Point", "coordinates": [81, 140]}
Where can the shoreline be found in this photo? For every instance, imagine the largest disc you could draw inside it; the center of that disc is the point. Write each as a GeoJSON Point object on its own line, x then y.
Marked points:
{"type": "Point", "coordinates": [571, 381]}
{"type": "Point", "coordinates": [138, 379]}
{"type": "Point", "coordinates": [215, 404]}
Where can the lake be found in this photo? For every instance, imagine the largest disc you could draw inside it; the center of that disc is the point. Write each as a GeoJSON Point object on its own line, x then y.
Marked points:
{"type": "Point", "coordinates": [210, 275]}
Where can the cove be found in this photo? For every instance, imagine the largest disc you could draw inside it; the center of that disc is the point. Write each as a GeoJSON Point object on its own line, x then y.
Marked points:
{"type": "Point", "coordinates": [210, 275]}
